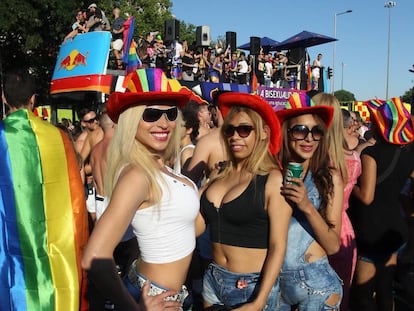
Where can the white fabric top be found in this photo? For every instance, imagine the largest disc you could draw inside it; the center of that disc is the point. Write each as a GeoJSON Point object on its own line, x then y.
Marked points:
{"type": "Point", "coordinates": [166, 231]}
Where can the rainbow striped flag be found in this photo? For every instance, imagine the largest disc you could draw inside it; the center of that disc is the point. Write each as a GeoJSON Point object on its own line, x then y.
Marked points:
{"type": "Point", "coordinates": [43, 226]}
{"type": "Point", "coordinates": [131, 58]}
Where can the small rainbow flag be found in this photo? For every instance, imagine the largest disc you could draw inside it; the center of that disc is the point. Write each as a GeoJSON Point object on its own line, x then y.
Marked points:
{"type": "Point", "coordinates": [43, 219]}
{"type": "Point", "coordinates": [131, 58]}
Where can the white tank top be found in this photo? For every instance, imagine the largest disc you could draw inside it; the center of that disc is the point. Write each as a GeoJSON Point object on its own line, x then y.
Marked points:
{"type": "Point", "coordinates": [166, 231]}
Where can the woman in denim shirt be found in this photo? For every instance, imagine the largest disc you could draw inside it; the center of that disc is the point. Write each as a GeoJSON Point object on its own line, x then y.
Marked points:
{"type": "Point", "coordinates": [306, 279]}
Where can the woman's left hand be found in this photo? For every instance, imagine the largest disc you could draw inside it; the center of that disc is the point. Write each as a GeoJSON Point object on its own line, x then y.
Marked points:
{"type": "Point", "coordinates": [295, 191]}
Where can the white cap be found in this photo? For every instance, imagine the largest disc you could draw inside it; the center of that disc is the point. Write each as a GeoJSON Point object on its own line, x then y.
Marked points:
{"type": "Point", "coordinates": [92, 5]}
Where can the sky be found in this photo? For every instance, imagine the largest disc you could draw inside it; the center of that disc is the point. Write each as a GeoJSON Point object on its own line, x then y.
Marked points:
{"type": "Point", "coordinates": [362, 45]}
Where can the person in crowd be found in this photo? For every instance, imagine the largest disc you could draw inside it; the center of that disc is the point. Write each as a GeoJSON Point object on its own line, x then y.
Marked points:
{"type": "Point", "coordinates": [349, 130]}
{"type": "Point", "coordinates": [242, 69]}
{"type": "Point", "coordinates": [268, 69]}
{"type": "Point", "coordinates": [117, 36]}
{"type": "Point", "coordinates": [97, 19]}
{"type": "Point", "coordinates": [360, 127]}
{"type": "Point", "coordinates": [316, 71]}
{"type": "Point", "coordinates": [77, 27]}
{"type": "Point", "coordinates": [217, 68]}
{"type": "Point", "coordinates": [260, 68]}
{"type": "Point", "coordinates": [233, 67]}
{"type": "Point", "coordinates": [204, 65]}
{"type": "Point", "coordinates": [380, 228]}
{"type": "Point", "coordinates": [42, 203]}
{"type": "Point", "coordinates": [189, 134]}
{"type": "Point", "coordinates": [348, 163]}
{"type": "Point", "coordinates": [188, 63]}
{"type": "Point", "coordinates": [307, 280]}
{"type": "Point", "coordinates": [246, 262]}
{"type": "Point", "coordinates": [161, 206]}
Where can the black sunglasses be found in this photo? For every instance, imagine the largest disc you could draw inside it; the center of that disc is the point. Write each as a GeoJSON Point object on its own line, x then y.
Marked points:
{"type": "Point", "coordinates": [242, 130]}
{"type": "Point", "coordinates": [300, 132]}
{"type": "Point", "coordinates": [154, 114]}
{"type": "Point", "coordinates": [90, 121]}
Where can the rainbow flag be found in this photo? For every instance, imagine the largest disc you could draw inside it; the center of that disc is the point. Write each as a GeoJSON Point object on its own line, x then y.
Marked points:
{"type": "Point", "coordinates": [43, 226]}
{"type": "Point", "coordinates": [131, 58]}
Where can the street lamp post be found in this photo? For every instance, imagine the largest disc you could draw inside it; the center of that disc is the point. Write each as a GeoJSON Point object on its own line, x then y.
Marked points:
{"type": "Point", "coordinates": [388, 5]}
{"type": "Point", "coordinates": [334, 49]}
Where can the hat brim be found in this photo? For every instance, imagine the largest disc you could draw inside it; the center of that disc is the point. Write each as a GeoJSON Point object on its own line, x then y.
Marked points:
{"type": "Point", "coordinates": [228, 100]}
{"type": "Point", "coordinates": [324, 112]}
{"type": "Point", "coordinates": [118, 102]}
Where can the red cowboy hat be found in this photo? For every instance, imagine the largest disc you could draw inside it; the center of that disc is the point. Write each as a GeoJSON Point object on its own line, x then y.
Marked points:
{"type": "Point", "coordinates": [145, 86]}
{"type": "Point", "coordinates": [229, 99]}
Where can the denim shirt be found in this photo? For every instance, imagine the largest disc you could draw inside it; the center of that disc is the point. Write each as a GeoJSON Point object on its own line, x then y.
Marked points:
{"type": "Point", "coordinates": [300, 234]}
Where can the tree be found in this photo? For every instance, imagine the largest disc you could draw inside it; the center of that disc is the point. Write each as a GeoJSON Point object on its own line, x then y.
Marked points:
{"type": "Point", "coordinates": [32, 31]}
{"type": "Point", "coordinates": [407, 97]}
{"type": "Point", "coordinates": [344, 96]}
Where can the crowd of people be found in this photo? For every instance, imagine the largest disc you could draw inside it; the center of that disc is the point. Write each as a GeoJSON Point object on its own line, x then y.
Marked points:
{"type": "Point", "coordinates": [186, 61]}
{"type": "Point", "coordinates": [191, 204]}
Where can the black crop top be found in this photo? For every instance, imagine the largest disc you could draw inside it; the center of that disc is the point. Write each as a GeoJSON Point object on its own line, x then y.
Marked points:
{"type": "Point", "coordinates": [242, 222]}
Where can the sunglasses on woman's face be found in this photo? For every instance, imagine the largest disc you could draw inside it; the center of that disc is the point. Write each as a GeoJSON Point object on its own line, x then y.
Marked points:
{"type": "Point", "coordinates": [300, 132]}
{"type": "Point", "coordinates": [154, 114]}
{"type": "Point", "coordinates": [242, 130]}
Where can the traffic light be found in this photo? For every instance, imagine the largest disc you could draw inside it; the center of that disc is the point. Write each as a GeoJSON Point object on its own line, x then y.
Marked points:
{"type": "Point", "coordinates": [330, 74]}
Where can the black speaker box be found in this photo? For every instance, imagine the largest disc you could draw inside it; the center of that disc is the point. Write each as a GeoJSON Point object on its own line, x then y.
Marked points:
{"type": "Point", "coordinates": [254, 45]}
{"type": "Point", "coordinates": [203, 36]}
{"type": "Point", "coordinates": [297, 56]}
{"type": "Point", "coordinates": [172, 30]}
{"type": "Point", "coordinates": [231, 40]}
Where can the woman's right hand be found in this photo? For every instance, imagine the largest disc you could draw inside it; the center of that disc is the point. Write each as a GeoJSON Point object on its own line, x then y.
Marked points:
{"type": "Point", "coordinates": [157, 303]}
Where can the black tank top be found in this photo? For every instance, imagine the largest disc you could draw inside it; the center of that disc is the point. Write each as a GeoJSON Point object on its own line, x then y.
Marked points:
{"type": "Point", "coordinates": [242, 222]}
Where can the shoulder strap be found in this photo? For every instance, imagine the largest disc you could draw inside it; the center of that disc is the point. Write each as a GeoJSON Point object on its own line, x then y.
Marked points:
{"type": "Point", "coordinates": [390, 168]}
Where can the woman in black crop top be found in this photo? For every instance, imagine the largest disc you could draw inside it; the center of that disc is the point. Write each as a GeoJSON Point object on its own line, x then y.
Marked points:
{"type": "Point", "coordinates": [248, 218]}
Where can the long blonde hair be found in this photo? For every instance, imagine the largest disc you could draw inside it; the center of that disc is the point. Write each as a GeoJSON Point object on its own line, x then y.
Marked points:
{"type": "Point", "coordinates": [125, 149]}
{"type": "Point", "coordinates": [260, 161]}
{"type": "Point", "coordinates": [335, 133]}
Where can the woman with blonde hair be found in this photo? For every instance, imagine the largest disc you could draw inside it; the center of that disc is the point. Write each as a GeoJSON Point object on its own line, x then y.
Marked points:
{"type": "Point", "coordinates": [160, 205]}
{"type": "Point", "coordinates": [348, 163]}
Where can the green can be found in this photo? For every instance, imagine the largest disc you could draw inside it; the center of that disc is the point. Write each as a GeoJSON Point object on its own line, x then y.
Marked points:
{"type": "Point", "coordinates": [294, 170]}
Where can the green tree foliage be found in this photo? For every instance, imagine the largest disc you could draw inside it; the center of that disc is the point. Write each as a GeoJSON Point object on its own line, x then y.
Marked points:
{"type": "Point", "coordinates": [344, 96]}
{"type": "Point", "coordinates": [31, 31]}
{"type": "Point", "coordinates": [407, 97]}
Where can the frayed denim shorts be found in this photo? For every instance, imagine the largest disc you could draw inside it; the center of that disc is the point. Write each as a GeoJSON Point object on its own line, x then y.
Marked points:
{"type": "Point", "coordinates": [309, 287]}
{"type": "Point", "coordinates": [134, 282]}
{"type": "Point", "coordinates": [222, 287]}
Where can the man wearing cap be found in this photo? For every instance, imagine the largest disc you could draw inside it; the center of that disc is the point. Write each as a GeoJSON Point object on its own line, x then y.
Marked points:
{"type": "Point", "coordinates": [97, 19]}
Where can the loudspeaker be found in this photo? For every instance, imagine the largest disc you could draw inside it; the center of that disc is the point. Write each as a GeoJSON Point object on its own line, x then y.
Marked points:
{"type": "Point", "coordinates": [172, 30]}
{"type": "Point", "coordinates": [297, 56]}
{"type": "Point", "coordinates": [254, 45]}
{"type": "Point", "coordinates": [203, 36]}
{"type": "Point", "coordinates": [231, 40]}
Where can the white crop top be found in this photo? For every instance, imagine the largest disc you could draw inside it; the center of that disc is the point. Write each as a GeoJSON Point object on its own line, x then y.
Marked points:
{"type": "Point", "coordinates": [166, 231]}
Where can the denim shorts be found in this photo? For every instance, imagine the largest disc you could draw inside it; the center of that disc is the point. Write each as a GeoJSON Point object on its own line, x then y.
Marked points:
{"type": "Point", "coordinates": [135, 281]}
{"type": "Point", "coordinates": [309, 287]}
{"type": "Point", "coordinates": [222, 287]}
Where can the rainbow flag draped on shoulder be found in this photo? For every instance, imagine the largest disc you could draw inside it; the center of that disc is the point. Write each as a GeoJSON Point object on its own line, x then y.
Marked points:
{"type": "Point", "coordinates": [43, 220]}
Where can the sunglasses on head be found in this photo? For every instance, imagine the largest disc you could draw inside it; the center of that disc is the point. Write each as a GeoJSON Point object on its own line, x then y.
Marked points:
{"type": "Point", "coordinates": [242, 130]}
{"type": "Point", "coordinates": [154, 114]}
{"type": "Point", "coordinates": [90, 121]}
{"type": "Point", "coordinates": [300, 132]}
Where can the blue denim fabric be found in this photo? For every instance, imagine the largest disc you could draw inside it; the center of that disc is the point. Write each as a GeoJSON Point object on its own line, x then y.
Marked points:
{"type": "Point", "coordinates": [220, 288]}
{"type": "Point", "coordinates": [309, 287]}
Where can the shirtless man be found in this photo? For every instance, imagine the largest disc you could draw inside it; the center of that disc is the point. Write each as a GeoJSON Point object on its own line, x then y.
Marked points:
{"type": "Point", "coordinates": [98, 156]}
{"type": "Point", "coordinates": [92, 134]}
